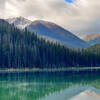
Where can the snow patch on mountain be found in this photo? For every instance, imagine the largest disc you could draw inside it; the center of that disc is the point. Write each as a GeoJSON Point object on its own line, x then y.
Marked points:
{"type": "Point", "coordinates": [19, 22]}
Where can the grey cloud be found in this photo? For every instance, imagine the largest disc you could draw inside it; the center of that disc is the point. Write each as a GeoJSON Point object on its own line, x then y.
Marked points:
{"type": "Point", "coordinates": [2, 3]}
{"type": "Point", "coordinates": [81, 17]}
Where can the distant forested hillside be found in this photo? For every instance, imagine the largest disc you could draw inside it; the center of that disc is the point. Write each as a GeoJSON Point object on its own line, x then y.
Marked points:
{"type": "Point", "coordinates": [21, 49]}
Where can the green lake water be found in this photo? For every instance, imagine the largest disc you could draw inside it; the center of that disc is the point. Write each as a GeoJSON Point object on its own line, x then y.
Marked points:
{"type": "Point", "coordinates": [46, 86]}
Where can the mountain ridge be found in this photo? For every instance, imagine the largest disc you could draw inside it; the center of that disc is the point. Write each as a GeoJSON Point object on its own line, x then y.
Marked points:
{"type": "Point", "coordinates": [49, 30]}
{"type": "Point", "coordinates": [56, 32]}
{"type": "Point", "coordinates": [93, 39]}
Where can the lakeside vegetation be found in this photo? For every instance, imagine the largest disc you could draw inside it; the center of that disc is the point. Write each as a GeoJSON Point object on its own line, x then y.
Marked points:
{"type": "Point", "coordinates": [22, 49]}
{"type": "Point", "coordinates": [52, 70]}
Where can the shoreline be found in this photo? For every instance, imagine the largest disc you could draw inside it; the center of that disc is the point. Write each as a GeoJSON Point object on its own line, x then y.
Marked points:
{"type": "Point", "coordinates": [71, 69]}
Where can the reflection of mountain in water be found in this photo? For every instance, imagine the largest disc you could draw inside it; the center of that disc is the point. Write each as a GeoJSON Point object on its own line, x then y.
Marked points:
{"type": "Point", "coordinates": [87, 95]}
{"type": "Point", "coordinates": [76, 93]}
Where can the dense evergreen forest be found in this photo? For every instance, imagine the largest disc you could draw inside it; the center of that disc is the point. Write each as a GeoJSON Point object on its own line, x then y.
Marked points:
{"type": "Point", "coordinates": [22, 49]}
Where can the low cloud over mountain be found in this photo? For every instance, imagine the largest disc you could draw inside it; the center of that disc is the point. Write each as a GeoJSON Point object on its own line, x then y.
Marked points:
{"type": "Point", "coordinates": [80, 16]}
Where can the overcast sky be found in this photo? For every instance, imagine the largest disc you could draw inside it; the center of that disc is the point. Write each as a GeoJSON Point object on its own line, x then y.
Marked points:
{"type": "Point", "coordinates": [80, 16]}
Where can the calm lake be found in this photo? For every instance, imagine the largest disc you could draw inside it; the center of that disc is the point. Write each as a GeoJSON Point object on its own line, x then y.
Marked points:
{"type": "Point", "coordinates": [50, 86]}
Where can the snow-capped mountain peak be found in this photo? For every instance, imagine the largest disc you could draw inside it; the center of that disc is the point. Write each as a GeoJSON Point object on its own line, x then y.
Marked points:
{"type": "Point", "coordinates": [19, 22]}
